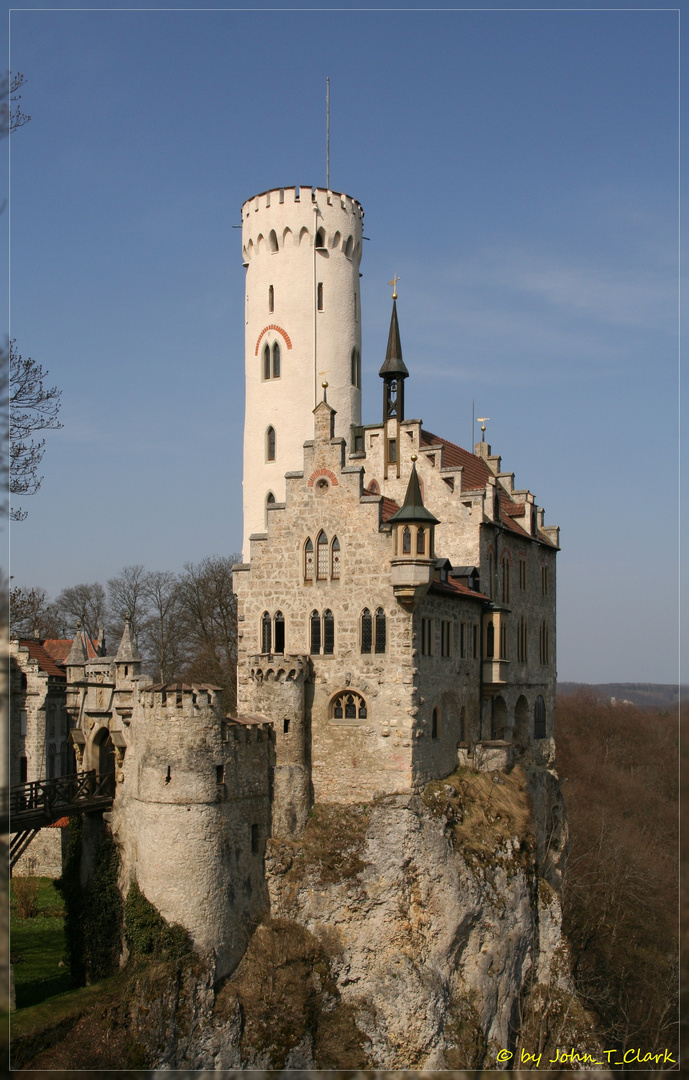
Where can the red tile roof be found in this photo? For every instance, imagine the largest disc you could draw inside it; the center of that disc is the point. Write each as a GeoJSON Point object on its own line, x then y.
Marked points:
{"type": "Point", "coordinates": [58, 648]}
{"type": "Point", "coordinates": [476, 472]}
{"type": "Point", "coordinates": [455, 587]}
{"type": "Point", "coordinates": [61, 823]}
{"type": "Point", "coordinates": [43, 658]}
{"type": "Point", "coordinates": [390, 507]}
{"type": "Point", "coordinates": [513, 509]}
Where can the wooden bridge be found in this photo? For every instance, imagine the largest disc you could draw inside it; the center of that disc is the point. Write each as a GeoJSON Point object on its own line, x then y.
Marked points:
{"type": "Point", "coordinates": [39, 803]}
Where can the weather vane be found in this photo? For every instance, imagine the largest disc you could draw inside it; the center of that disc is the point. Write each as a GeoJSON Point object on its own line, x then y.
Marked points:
{"type": "Point", "coordinates": [394, 286]}
{"type": "Point", "coordinates": [482, 422]}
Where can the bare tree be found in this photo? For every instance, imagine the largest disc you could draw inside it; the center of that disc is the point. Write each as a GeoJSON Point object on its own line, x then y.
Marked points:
{"type": "Point", "coordinates": [210, 614]}
{"type": "Point", "coordinates": [32, 615]}
{"type": "Point", "coordinates": [33, 407]}
{"type": "Point", "coordinates": [83, 604]}
{"type": "Point", "coordinates": [11, 115]}
{"type": "Point", "coordinates": [162, 632]}
{"type": "Point", "coordinates": [128, 599]}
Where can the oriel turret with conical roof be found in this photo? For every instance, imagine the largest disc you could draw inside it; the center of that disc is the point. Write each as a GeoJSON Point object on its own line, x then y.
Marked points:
{"type": "Point", "coordinates": [393, 373]}
{"type": "Point", "coordinates": [128, 671]}
{"type": "Point", "coordinates": [413, 528]}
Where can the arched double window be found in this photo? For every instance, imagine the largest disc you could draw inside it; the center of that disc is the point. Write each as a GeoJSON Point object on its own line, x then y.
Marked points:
{"type": "Point", "coordinates": [322, 633]}
{"type": "Point", "coordinates": [271, 361]}
{"type": "Point", "coordinates": [272, 632]}
{"type": "Point", "coordinates": [539, 723]}
{"type": "Point", "coordinates": [348, 706]}
{"type": "Point", "coordinates": [271, 448]}
{"type": "Point", "coordinates": [370, 641]}
{"type": "Point", "coordinates": [325, 561]}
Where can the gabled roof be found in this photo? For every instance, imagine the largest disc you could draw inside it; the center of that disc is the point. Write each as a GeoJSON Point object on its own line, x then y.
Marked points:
{"type": "Point", "coordinates": [43, 658]}
{"type": "Point", "coordinates": [59, 648]}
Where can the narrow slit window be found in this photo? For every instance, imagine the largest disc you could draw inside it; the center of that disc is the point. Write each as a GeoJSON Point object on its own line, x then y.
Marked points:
{"type": "Point", "coordinates": [320, 295]}
{"type": "Point", "coordinates": [380, 631]}
{"type": "Point", "coordinates": [308, 560]}
{"type": "Point", "coordinates": [335, 559]}
{"type": "Point", "coordinates": [265, 632]}
{"type": "Point", "coordinates": [315, 633]}
{"type": "Point", "coordinates": [490, 641]}
{"type": "Point", "coordinates": [392, 451]}
{"type": "Point", "coordinates": [539, 719]}
{"type": "Point", "coordinates": [279, 627]}
{"type": "Point", "coordinates": [505, 581]}
{"type": "Point", "coordinates": [328, 633]}
{"type": "Point", "coordinates": [322, 546]}
{"type": "Point", "coordinates": [435, 724]}
{"type": "Point", "coordinates": [271, 299]}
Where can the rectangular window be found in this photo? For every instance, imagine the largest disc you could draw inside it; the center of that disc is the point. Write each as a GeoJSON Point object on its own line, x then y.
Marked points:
{"type": "Point", "coordinates": [320, 295]}
{"type": "Point", "coordinates": [522, 573]}
{"type": "Point", "coordinates": [254, 839]}
{"type": "Point", "coordinates": [22, 722]}
{"type": "Point", "coordinates": [474, 643]}
{"type": "Point", "coordinates": [544, 580]}
{"type": "Point", "coordinates": [427, 637]}
{"type": "Point", "coordinates": [392, 451]}
{"type": "Point", "coordinates": [462, 640]}
{"type": "Point", "coordinates": [220, 774]}
{"type": "Point", "coordinates": [445, 638]}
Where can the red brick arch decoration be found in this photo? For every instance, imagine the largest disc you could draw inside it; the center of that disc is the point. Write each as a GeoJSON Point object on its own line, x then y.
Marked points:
{"type": "Point", "coordinates": [322, 472]}
{"type": "Point", "coordinates": [279, 329]}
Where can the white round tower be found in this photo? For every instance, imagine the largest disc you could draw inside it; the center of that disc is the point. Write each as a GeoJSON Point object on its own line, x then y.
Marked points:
{"type": "Point", "coordinates": [302, 250]}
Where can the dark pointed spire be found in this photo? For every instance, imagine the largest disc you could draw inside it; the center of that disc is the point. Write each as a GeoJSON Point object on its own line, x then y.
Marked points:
{"type": "Point", "coordinates": [413, 509]}
{"type": "Point", "coordinates": [394, 364]}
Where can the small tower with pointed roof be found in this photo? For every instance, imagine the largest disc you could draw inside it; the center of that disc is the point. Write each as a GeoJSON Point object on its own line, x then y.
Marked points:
{"type": "Point", "coordinates": [393, 373]}
{"type": "Point", "coordinates": [413, 544]}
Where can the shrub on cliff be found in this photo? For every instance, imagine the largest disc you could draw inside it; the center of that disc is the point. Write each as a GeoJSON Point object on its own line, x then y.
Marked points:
{"type": "Point", "coordinates": [148, 934]}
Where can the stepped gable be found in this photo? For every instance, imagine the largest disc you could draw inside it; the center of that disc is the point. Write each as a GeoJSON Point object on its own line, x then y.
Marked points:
{"type": "Point", "coordinates": [42, 657]}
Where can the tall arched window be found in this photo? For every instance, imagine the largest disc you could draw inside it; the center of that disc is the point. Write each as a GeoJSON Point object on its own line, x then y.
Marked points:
{"type": "Point", "coordinates": [322, 564]}
{"type": "Point", "coordinates": [271, 299]}
{"type": "Point", "coordinates": [406, 541]}
{"type": "Point", "coordinates": [328, 633]}
{"type": "Point", "coordinates": [266, 362]}
{"type": "Point", "coordinates": [320, 238]}
{"type": "Point", "coordinates": [270, 501]}
{"type": "Point", "coordinates": [505, 580]}
{"type": "Point", "coordinates": [420, 540]}
{"type": "Point", "coordinates": [335, 559]}
{"type": "Point", "coordinates": [490, 641]}
{"type": "Point", "coordinates": [356, 367]}
{"type": "Point", "coordinates": [265, 633]}
{"type": "Point", "coordinates": [315, 633]}
{"type": "Point", "coordinates": [539, 724]}
{"type": "Point", "coordinates": [270, 444]}
{"type": "Point", "coordinates": [380, 630]}
{"type": "Point", "coordinates": [273, 240]}
{"type": "Point", "coordinates": [308, 560]}
{"type": "Point", "coordinates": [276, 361]}
{"type": "Point", "coordinates": [279, 626]}
{"type": "Point", "coordinates": [366, 631]}
{"type": "Point", "coordinates": [435, 724]}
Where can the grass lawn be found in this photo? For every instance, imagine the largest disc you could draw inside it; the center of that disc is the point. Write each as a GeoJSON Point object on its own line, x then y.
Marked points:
{"type": "Point", "coordinates": [37, 947]}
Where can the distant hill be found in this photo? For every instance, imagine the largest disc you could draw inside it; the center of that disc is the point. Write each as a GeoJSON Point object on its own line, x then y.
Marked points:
{"type": "Point", "coordinates": [649, 695]}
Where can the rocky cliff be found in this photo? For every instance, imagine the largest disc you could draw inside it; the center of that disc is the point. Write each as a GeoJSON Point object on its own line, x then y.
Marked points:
{"type": "Point", "coordinates": [421, 931]}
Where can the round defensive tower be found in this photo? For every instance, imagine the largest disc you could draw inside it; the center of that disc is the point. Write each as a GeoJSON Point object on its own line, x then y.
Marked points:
{"type": "Point", "coordinates": [302, 249]}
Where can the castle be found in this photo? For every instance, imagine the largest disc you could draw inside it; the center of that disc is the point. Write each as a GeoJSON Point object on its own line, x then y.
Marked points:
{"type": "Point", "coordinates": [396, 605]}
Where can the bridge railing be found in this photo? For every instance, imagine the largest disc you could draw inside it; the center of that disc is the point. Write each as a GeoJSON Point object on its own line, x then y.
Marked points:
{"type": "Point", "coordinates": [51, 798]}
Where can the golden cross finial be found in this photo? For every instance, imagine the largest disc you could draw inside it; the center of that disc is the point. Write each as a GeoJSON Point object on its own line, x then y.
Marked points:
{"type": "Point", "coordinates": [394, 286]}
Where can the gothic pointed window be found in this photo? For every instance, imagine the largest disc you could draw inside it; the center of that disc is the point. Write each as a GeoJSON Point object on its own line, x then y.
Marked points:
{"type": "Point", "coordinates": [335, 559]}
{"type": "Point", "coordinates": [328, 633]}
{"type": "Point", "coordinates": [380, 630]}
{"type": "Point", "coordinates": [308, 560]}
{"type": "Point", "coordinates": [322, 566]}
{"type": "Point", "coordinates": [276, 361]}
{"type": "Point", "coordinates": [320, 239]}
{"type": "Point", "coordinates": [273, 240]}
{"type": "Point", "coordinates": [315, 633]}
{"type": "Point", "coordinates": [406, 541]}
{"type": "Point", "coordinates": [270, 444]}
{"type": "Point", "coordinates": [490, 641]}
{"type": "Point", "coordinates": [366, 631]}
{"type": "Point", "coordinates": [420, 541]}
{"type": "Point", "coordinates": [270, 501]}
{"type": "Point", "coordinates": [348, 705]}
{"type": "Point", "coordinates": [539, 719]}
{"type": "Point", "coordinates": [266, 362]}
{"type": "Point", "coordinates": [265, 633]}
{"type": "Point", "coordinates": [279, 628]}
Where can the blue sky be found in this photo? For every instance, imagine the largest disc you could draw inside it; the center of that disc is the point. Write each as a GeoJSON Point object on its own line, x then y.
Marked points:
{"type": "Point", "coordinates": [518, 171]}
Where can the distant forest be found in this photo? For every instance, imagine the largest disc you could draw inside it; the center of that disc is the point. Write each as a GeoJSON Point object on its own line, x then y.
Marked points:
{"type": "Point", "coordinates": [646, 695]}
{"type": "Point", "coordinates": [619, 769]}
